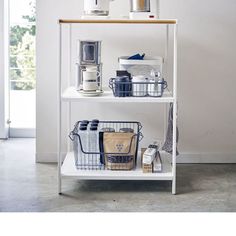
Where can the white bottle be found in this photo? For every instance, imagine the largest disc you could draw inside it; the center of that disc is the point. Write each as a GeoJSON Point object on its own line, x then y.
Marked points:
{"type": "Point", "coordinates": [154, 86]}
{"type": "Point", "coordinates": [94, 159]}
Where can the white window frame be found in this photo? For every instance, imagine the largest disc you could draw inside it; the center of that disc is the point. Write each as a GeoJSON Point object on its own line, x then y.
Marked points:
{"type": "Point", "coordinates": [13, 131]}
{"type": "Point", "coordinates": [4, 69]}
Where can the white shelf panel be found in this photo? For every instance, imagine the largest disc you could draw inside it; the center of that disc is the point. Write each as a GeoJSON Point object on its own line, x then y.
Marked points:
{"type": "Point", "coordinates": [72, 95]}
{"type": "Point", "coordinates": [69, 170]}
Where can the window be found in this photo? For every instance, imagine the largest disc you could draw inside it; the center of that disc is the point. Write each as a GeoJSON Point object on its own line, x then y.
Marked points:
{"type": "Point", "coordinates": [22, 64]}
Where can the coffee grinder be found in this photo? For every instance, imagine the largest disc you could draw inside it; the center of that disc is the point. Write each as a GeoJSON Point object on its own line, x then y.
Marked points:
{"type": "Point", "coordinates": [89, 68]}
{"type": "Point", "coordinates": [144, 9]}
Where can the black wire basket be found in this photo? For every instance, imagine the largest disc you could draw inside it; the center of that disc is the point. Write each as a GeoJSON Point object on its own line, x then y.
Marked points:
{"type": "Point", "coordinates": [138, 89]}
{"type": "Point", "coordinates": [90, 148]}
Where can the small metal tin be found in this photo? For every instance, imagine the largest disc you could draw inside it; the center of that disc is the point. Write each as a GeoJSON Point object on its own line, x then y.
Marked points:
{"type": "Point", "coordinates": [107, 129]}
{"type": "Point", "coordinates": [126, 130]}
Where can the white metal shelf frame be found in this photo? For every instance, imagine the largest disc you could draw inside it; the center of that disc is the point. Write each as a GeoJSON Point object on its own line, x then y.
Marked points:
{"type": "Point", "coordinates": [68, 170]}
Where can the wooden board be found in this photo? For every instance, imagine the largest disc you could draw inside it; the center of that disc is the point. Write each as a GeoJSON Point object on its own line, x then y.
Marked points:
{"type": "Point", "coordinates": [116, 21]}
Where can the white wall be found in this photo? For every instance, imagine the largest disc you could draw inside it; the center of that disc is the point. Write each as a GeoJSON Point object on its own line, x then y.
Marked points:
{"type": "Point", "coordinates": [206, 74]}
{"type": "Point", "coordinates": [4, 108]}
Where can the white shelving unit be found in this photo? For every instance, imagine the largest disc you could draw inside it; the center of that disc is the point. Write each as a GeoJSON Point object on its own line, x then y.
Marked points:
{"type": "Point", "coordinates": [66, 166]}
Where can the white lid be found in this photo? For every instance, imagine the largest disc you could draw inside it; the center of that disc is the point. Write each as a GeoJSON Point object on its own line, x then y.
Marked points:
{"type": "Point", "coordinates": [147, 61]}
{"type": "Point", "coordinates": [139, 78]}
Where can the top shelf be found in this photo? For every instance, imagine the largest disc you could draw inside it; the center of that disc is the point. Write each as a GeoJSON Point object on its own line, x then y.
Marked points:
{"type": "Point", "coordinates": [117, 21]}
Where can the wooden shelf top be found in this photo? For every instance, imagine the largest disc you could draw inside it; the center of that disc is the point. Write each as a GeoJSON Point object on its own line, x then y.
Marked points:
{"type": "Point", "coordinates": [116, 21]}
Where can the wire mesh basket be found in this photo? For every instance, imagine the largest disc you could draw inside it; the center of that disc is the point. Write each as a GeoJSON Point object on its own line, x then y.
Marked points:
{"type": "Point", "coordinates": [149, 88]}
{"type": "Point", "coordinates": [112, 145]}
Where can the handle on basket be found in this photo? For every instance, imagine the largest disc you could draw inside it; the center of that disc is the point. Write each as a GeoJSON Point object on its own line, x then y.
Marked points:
{"type": "Point", "coordinates": [165, 84]}
{"type": "Point", "coordinates": [71, 136]}
{"type": "Point", "coordinates": [111, 83]}
{"type": "Point", "coordinates": [139, 126]}
{"type": "Point", "coordinates": [100, 153]}
{"type": "Point", "coordinates": [81, 146]}
{"type": "Point", "coordinates": [74, 131]}
{"type": "Point", "coordinates": [140, 137]}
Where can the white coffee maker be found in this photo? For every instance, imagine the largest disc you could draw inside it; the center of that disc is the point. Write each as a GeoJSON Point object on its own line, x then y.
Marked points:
{"type": "Point", "coordinates": [96, 8]}
{"type": "Point", "coordinates": [89, 68]}
{"type": "Point", "coordinates": [144, 9]}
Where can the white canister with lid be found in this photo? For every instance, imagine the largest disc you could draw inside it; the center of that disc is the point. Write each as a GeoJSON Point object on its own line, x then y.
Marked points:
{"type": "Point", "coordinates": [156, 85]}
{"type": "Point", "coordinates": [139, 83]}
{"type": "Point", "coordinates": [90, 76]}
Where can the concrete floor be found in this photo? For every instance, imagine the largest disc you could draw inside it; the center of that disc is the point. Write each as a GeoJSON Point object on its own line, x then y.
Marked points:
{"type": "Point", "coordinates": [29, 187]}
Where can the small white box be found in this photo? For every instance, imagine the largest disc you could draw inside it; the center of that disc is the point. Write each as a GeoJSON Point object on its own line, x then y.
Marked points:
{"type": "Point", "coordinates": [149, 156]}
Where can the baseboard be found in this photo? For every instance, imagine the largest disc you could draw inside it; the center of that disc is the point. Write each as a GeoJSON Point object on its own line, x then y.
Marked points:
{"type": "Point", "coordinates": [22, 133]}
{"type": "Point", "coordinates": [46, 157]}
{"type": "Point", "coordinates": [204, 158]}
{"type": "Point", "coordinates": [185, 158]}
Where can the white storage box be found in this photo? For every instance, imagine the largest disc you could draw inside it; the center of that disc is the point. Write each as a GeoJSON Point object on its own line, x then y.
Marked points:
{"type": "Point", "coordinates": [142, 67]}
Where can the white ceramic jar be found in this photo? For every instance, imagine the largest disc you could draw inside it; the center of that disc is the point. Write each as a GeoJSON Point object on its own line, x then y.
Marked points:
{"type": "Point", "coordinates": [90, 76]}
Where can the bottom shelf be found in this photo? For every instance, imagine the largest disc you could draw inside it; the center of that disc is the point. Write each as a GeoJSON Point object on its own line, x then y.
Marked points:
{"type": "Point", "coordinates": [68, 169]}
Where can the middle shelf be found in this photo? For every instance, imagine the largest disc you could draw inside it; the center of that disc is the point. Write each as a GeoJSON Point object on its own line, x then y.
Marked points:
{"type": "Point", "coordinates": [72, 95]}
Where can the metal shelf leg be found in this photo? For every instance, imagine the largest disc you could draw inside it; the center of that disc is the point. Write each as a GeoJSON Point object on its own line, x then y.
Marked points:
{"type": "Point", "coordinates": [174, 112]}
{"type": "Point", "coordinates": [59, 115]}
